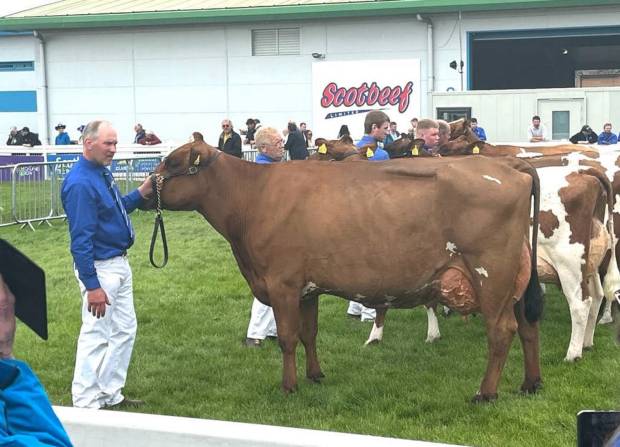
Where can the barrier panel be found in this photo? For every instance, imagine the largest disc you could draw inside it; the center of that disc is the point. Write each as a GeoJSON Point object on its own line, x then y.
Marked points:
{"type": "Point", "coordinates": [87, 428]}
{"type": "Point", "coordinates": [31, 193]}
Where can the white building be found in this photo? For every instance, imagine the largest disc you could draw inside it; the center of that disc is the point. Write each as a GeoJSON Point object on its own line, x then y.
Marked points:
{"type": "Point", "coordinates": [181, 66]}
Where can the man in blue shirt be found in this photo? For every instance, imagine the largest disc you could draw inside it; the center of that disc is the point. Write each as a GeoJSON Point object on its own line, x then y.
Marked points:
{"type": "Point", "coordinates": [606, 137]}
{"type": "Point", "coordinates": [479, 131]}
{"type": "Point", "coordinates": [27, 417]}
{"type": "Point", "coordinates": [269, 144]}
{"type": "Point", "coordinates": [62, 137]}
{"type": "Point", "coordinates": [376, 129]}
{"type": "Point", "coordinates": [101, 233]}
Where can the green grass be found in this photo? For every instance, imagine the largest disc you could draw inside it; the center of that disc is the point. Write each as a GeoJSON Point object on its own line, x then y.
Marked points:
{"type": "Point", "coordinates": [188, 359]}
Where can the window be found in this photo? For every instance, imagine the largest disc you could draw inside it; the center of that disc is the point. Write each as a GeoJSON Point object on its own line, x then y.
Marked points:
{"type": "Point", "coordinates": [453, 113]}
{"type": "Point", "coordinates": [275, 42]}
{"type": "Point", "coordinates": [17, 66]}
{"type": "Point", "coordinates": [560, 125]}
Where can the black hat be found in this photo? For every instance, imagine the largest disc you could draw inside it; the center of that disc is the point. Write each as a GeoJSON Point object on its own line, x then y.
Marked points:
{"type": "Point", "coordinates": [81, 128]}
{"type": "Point", "coordinates": [25, 129]}
{"type": "Point", "coordinates": [60, 126]}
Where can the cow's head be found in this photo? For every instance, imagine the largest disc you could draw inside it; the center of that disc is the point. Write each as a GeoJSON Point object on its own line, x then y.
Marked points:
{"type": "Point", "coordinates": [407, 147]}
{"type": "Point", "coordinates": [333, 149]}
{"type": "Point", "coordinates": [462, 146]}
{"type": "Point", "coordinates": [178, 177]}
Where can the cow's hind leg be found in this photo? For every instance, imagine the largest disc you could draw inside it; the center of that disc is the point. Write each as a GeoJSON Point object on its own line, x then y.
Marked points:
{"type": "Point", "coordinates": [501, 329]}
{"type": "Point", "coordinates": [595, 288]}
{"type": "Point", "coordinates": [286, 309]}
{"type": "Point", "coordinates": [528, 334]}
{"type": "Point", "coordinates": [376, 333]}
{"type": "Point", "coordinates": [432, 332]}
{"type": "Point", "coordinates": [309, 329]}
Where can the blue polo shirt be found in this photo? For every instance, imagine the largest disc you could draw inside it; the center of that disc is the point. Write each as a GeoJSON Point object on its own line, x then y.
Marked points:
{"type": "Point", "coordinates": [380, 153]}
{"type": "Point", "coordinates": [97, 226]}
{"type": "Point", "coordinates": [263, 159]}
{"type": "Point", "coordinates": [479, 131]}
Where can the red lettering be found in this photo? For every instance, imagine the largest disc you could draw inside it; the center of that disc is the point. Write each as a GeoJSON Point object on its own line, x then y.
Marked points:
{"type": "Point", "coordinates": [403, 104]}
{"type": "Point", "coordinates": [384, 95]}
{"type": "Point", "coordinates": [339, 96]}
{"type": "Point", "coordinates": [361, 97]}
{"type": "Point", "coordinates": [373, 94]}
{"type": "Point", "coordinates": [328, 94]}
{"type": "Point", "coordinates": [365, 95]}
{"type": "Point", "coordinates": [350, 96]}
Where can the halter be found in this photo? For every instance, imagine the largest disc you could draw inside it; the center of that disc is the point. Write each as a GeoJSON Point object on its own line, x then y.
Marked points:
{"type": "Point", "coordinates": [157, 181]}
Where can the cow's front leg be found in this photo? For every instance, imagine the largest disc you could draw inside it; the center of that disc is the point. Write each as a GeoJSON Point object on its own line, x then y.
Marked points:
{"type": "Point", "coordinates": [500, 332]}
{"type": "Point", "coordinates": [309, 329]}
{"type": "Point", "coordinates": [285, 303]}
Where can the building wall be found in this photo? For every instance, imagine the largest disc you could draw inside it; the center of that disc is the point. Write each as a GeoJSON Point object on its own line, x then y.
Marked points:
{"type": "Point", "coordinates": [13, 49]}
{"type": "Point", "coordinates": [175, 80]}
{"type": "Point", "coordinates": [506, 115]}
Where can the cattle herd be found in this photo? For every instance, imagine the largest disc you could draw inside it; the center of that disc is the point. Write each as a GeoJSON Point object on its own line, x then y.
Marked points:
{"type": "Point", "coordinates": [475, 230]}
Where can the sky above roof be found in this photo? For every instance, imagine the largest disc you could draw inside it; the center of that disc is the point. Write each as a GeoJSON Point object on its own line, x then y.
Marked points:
{"type": "Point", "coordinates": [7, 8]}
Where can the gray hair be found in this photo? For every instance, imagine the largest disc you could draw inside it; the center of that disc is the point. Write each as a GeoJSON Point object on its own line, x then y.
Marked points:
{"type": "Point", "coordinates": [264, 136]}
{"type": "Point", "coordinates": [91, 131]}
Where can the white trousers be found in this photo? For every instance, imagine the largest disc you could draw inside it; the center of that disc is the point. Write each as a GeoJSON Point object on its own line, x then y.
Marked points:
{"type": "Point", "coordinates": [366, 313]}
{"type": "Point", "coordinates": [262, 322]}
{"type": "Point", "coordinates": [105, 344]}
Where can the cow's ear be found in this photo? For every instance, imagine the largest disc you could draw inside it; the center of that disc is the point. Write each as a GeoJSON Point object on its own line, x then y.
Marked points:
{"type": "Point", "coordinates": [467, 123]}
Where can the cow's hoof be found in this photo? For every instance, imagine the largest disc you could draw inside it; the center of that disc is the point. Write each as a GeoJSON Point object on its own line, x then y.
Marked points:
{"type": "Point", "coordinates": [289, 389]}
{"type": "Point", "coordinates": [531, 387]}
{"type": "Point", "coordinates": [432, 339]}
{"type": "Point", "coordinates": [316, 378]}
{"type": "Point", "coordinates": [374, 341]}
{"type": "Point", "coordinates": [572, 359]}
{"type": "Point", "coordinates": [483, 398]}
{"type": "Point", "coordinates": [588, 348]}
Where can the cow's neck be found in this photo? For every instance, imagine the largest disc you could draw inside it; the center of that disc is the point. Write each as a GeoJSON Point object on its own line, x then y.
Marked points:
{"type": "Point", "coordinates": [225, 192]}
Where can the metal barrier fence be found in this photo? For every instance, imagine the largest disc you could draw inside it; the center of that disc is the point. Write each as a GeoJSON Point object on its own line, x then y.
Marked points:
{"type": "Point", "coordinates": [30, 192]}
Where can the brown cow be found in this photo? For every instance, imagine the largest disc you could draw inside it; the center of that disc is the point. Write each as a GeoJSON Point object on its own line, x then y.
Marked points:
{"type": "Point", "coordinates": [295, 245]}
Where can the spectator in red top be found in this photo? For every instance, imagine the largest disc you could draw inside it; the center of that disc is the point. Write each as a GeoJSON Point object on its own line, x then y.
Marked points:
{"type": "Point", "coordinates": [149, 139]}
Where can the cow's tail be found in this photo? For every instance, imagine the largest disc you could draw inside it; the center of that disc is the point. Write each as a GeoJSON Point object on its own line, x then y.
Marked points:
{"type": "Point", "coordinates": [533, 297]}
{"type": "Point", "coordinates": [611, 283]}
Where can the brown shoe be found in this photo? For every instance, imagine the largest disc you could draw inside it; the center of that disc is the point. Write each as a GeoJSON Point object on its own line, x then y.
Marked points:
{"type": "Point", "coordinates": [126, 403]}
{"type": "Point", "coordinates": [253, 342]}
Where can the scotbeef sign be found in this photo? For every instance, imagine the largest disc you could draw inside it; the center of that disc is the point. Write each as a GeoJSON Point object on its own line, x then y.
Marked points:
{"type": "Point", "coordinates": [343, 92]}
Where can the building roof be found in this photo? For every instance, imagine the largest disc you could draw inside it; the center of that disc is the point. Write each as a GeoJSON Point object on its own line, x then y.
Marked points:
{"type": "Point", "coordinates": [105, 13]}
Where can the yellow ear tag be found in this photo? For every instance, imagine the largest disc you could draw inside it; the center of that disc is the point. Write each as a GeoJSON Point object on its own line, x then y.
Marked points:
{"type": "Point", "coordinates": [197, 161]}
{"type": "Point", "coordinates": [322, 149]}
{"type": "Point", "coordinates": [414, 151]}
{"type": "Point", "coordinates": [476, 150]}
{"type": "Point", "coordinates": [369, 153]}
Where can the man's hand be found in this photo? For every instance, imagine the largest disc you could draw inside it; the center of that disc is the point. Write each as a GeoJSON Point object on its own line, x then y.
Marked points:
{"type": "Point", "coordinates": [146, 188]}
{"type": "Point", "coordinates": [97, 300]}
{"type": "Point", "coordinates": [7, 320]}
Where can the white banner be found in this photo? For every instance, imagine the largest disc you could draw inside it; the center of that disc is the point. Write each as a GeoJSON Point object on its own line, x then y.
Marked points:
{"type": "Point", "coordinates": [343, 92]}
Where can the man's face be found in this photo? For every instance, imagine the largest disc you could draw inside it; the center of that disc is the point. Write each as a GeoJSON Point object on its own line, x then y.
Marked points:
{"type": "Point", "coordinates": [275, 148]}
{"type": "Point", "coordinates": [607, 128]}
{"type": "Point", "coordinates": [393, 127]}
{"type": "Point", "coordinates": [101, 150]}
{"type": "Point", "coordinates": [302, 126]}
{"type": "Point", "coordinates": [536, 123]}
{"type": "Point", "coordinates": [474, 124]}
{"type": "Point", "coordinates": [414, 123]}
{"type": "Point", "coordinates": [430, 136]}
{"type": "Point", "coordinates": [226, 127]}
{"type": "Point", "coordinates": [380, 132]}
{"type": "Point", "coordinates": [137, 128]}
